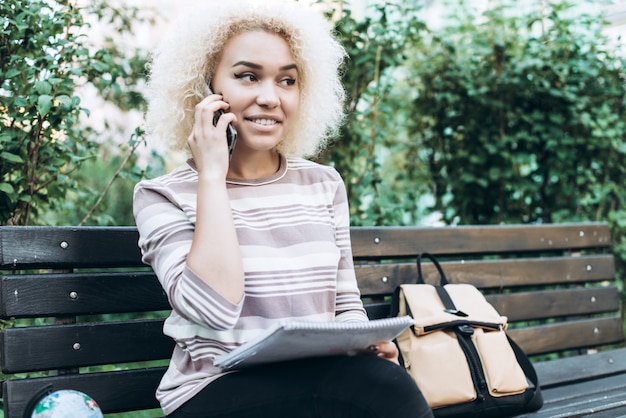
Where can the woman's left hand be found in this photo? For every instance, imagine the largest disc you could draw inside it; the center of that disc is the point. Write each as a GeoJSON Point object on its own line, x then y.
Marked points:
{"type": "Point", "coordinates": [387, 350]}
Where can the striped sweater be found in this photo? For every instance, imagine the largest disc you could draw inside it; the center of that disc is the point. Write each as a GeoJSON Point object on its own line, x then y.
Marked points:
{"type": "Point", "coordinates": [293, 230]}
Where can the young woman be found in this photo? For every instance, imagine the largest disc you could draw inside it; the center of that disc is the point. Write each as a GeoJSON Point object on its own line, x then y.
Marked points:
{"type": "Point", "coordinates": [241, 243]}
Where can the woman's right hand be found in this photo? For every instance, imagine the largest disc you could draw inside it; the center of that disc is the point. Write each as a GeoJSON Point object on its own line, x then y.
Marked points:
{"type": "Point", "coordinates": [207, 143]}
{"type": "Point", "coordinates": [214, 255]}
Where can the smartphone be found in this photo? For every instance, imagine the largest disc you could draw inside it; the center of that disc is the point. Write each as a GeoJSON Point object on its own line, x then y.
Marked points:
{"type": "Point", "coordinates": [231, 132]}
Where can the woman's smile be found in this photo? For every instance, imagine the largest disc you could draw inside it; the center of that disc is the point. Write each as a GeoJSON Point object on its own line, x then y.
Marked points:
{"type": "Point", "coordinates": [263, 121]}
{"type": "Point", "coordinates": [257, 77]}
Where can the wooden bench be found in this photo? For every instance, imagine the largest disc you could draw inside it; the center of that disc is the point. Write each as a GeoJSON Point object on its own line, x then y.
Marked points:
{"type": "Point", "coordinates": [88, 314]}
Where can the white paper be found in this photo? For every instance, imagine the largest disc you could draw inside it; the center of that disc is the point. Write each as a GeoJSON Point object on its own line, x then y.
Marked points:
{"type": "Point", "coordinates": [300, 339]}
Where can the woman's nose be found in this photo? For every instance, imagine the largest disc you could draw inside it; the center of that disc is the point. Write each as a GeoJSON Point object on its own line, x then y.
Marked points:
{"type": "Point", "coordinates": [268, 96]}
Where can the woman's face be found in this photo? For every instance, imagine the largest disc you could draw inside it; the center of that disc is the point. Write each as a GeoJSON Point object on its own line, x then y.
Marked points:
{"type": "Point", "coordinates": [257, 75]}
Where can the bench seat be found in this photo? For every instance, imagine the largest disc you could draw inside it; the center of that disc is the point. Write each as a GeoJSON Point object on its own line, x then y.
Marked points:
{"type": "Point", "coordinates": [87, 314]}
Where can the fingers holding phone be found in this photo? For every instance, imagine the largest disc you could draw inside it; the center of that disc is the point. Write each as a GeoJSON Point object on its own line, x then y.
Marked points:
{"type": "Point", "coordinates": [231, 132]}
{"type": "Point", "coordinates": [209, 143]}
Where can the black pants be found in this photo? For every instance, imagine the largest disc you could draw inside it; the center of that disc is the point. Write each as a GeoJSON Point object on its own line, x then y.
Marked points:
{"type": "Point", "coordinates": [341, 387]}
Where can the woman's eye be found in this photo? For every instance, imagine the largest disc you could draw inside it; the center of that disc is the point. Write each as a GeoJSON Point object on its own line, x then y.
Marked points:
{"type": "Point", "coordinates": [246, 77]}
{"type": "Point", "coordinates": [289, 81]}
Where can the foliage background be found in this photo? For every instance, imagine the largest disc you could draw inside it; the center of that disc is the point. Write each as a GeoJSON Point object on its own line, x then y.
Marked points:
{"type": "Point", "coordinates": [497, 116]}
{"type": "Point", "coordinates": [48, 60]}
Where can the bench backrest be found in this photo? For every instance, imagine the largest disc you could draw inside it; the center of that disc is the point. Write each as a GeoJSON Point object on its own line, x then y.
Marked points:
{"type": "Point", "coordinates": [88, 314]}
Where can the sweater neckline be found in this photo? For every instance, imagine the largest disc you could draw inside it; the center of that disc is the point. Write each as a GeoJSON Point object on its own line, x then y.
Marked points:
{"type": "Point", "coordinates": [279, 174]}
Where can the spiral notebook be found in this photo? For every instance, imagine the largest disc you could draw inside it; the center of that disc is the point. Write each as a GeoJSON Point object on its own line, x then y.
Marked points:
{"type": "Point", "coordinates": [300, 339]}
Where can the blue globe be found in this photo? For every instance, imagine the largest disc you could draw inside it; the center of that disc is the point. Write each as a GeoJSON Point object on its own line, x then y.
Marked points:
{"type": "Point", "coordinates": [67, 404]}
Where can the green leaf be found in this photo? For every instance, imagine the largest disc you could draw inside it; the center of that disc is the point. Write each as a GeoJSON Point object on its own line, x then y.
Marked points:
{"type": "Point", "coordinates": [20, 101]}
{"type": "Point", "coordinates": [43, 87]}
{"type": "Point", "coordinates": [7, 188]}
{"type": "Point", "coordinates": [11, 157]}
{"type": "Point", "coordinates": [12, 73]}
{"type": "Point", "coordinates": [44, 104]}
{"type": "Point", "coordinates": [55, 81]}
{"type": "Point", "coordinates": [65, 100]}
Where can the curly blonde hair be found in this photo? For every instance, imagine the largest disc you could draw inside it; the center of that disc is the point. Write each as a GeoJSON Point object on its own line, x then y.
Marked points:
{"type": "Point", "coordinates": [185, 62]}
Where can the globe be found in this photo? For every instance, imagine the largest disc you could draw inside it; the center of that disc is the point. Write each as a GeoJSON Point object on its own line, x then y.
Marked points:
{"type": "Point", "coordinates": [67, 404]}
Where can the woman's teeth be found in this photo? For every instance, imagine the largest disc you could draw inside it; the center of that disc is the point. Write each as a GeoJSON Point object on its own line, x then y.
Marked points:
{"type": "Point", "coordinates": [265, 121]}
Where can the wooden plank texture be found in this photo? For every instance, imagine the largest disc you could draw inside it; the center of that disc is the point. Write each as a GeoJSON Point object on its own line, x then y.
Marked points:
{"type": "Point", "coordinates": [55, 347]}
{"type": "Point", "coordinates": [71, 247]}
{"type": "Point", "coordinates": [527, 306]}
{"type": "Point", "coordinates": [113, 391]}
{"type": "Point", "coordinates": [599, 398]}
{"type": "Point", "coordinates": [569, 335]}
{"type": "Point", "coordinates": [377, 310]}
{"type": "Point", "coordinates": [498, 274]}
{"type": "Point", "coordinates": [579, 368]}
{"type": "Point", "coordinates": [409, 241]}
{"type": "Point", "coordinates": [531, 306]}
{"type": "Point", "coordinates": [34, 295]}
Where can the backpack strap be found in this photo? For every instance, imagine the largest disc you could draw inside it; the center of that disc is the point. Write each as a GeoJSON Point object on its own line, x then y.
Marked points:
{"type": "Point", "coordinates": [536, 401]}
{"type": "Point", "coordinates": [420, 277]}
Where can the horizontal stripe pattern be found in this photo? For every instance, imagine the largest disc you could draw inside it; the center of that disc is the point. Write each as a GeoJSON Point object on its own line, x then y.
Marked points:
{"type": "Point", "coordinates": [293, 230]}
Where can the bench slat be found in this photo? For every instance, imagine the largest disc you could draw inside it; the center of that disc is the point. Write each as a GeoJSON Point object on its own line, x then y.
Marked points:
{"type": "Point", "coordinates": [377, 279]}
{"type": "Point", "coordinates": [569, 335]}
{"type": "Point", "coordinates": [118, 246]}
{"type": "Point", "coordinates": [526, 306]}
{"type": "Point", "coordinates": [408, 241]}
{"type": "Point", "coordinates": [113, 391]}
{"type": "Point", "coordinates": [377, 310]}
{"type": "Point", "coordinates": [53, 347]}
{"type": "Point", "coordinates": [580, 368]}
{"type": "Point", "coordinates": [529, 306]}
{"type": "Point", "coordinates": [602, 398]}
{"type": "Point", "coordinates": [60, 246]}
{"type": "Point", "coordinates": [22, 296]}
{"type": "Point", "coordinates": [30, 296]}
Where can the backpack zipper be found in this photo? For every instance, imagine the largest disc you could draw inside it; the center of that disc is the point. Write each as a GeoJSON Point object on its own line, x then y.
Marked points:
{"type": "Point", "coordinates": [464, 336]}
{"type": "Point", "coordinates": [462, 322]}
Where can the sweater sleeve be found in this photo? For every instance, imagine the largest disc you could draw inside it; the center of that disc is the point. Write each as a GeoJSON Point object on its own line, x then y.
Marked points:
{"type": "Point", "coordinates": [348, 305]}
{"type": "Point", "coordinates": [165, 235]}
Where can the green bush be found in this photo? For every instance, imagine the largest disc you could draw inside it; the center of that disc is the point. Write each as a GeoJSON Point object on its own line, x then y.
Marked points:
{"type": "Point", "coordinates": [499, 116]}
{"type": "Point", "coordinates": [384, 184]}
{"type": "Point", "coordinates": [45, 58]}
{"type": "Point", "coordinates": [522, 116]}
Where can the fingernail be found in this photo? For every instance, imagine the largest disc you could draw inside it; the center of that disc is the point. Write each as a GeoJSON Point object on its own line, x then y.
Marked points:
{"type": "Point", "coordinates": [373, 348]}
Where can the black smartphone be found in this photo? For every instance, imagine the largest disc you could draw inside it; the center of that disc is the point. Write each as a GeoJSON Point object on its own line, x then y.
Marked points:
{"type": "Point", "coordinates": [231, 132]}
